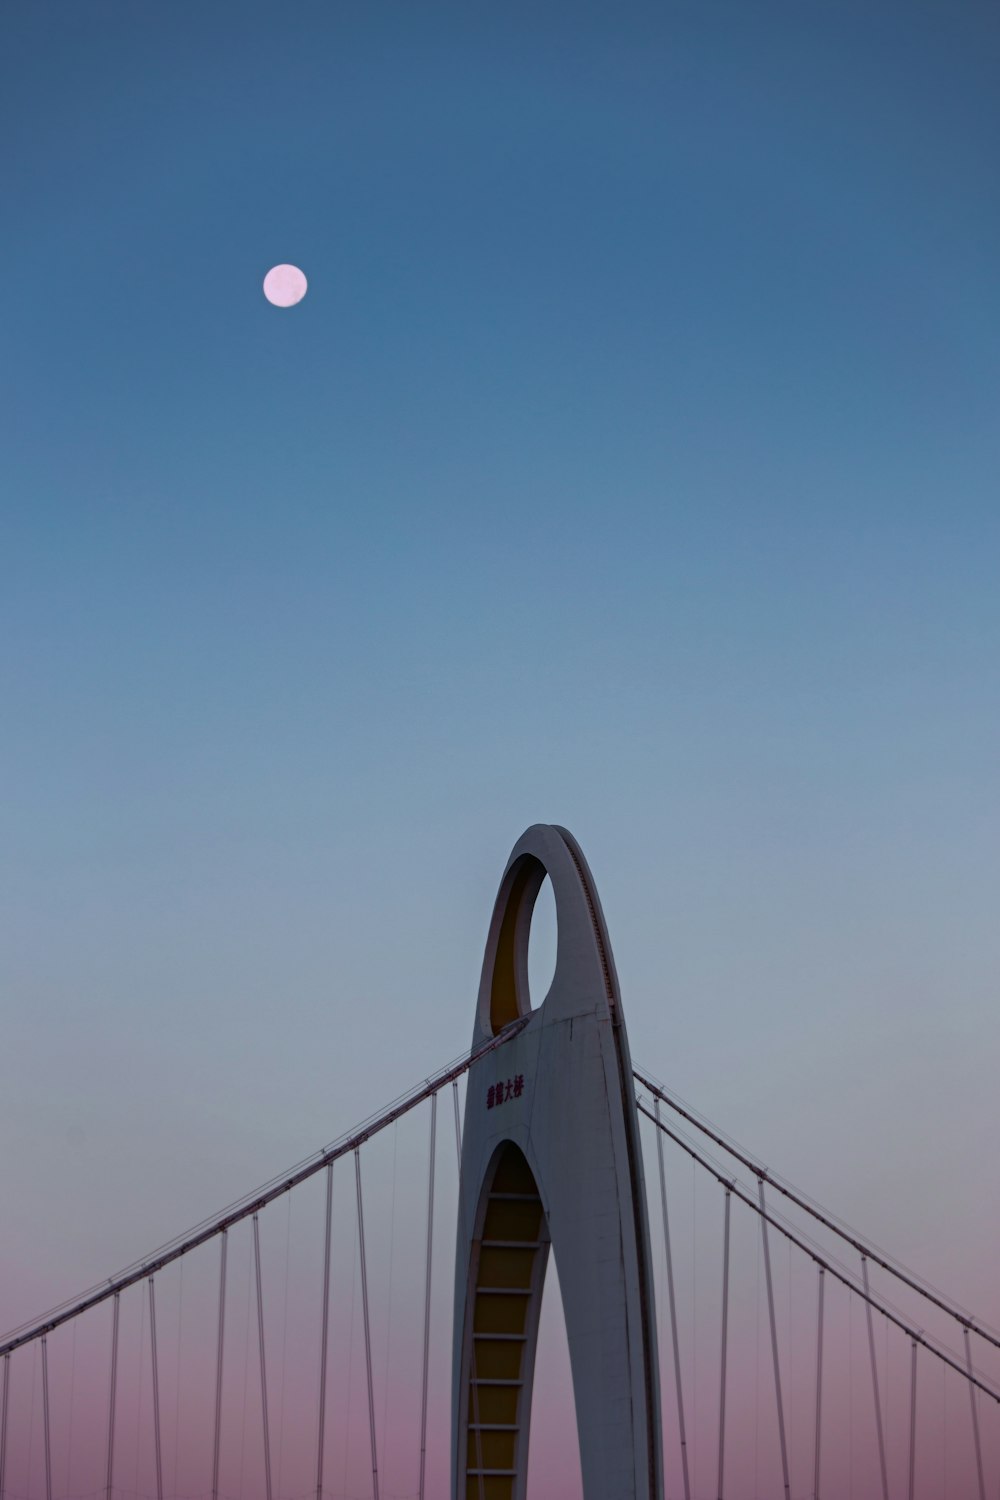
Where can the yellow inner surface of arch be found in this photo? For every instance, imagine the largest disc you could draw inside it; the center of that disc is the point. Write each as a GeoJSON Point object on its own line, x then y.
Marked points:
{"type": "Point", "coordinates": [508, 1277]}
{"type": "Point", "coordinates": [505, 1004]}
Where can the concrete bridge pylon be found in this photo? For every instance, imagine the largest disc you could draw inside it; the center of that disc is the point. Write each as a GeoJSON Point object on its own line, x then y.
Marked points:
{"type": "Point", "coordinates": [551, 1160]}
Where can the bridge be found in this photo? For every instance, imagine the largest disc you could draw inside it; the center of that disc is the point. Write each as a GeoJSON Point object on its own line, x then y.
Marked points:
{"type": "Point", "coordinates": [375, 1322]}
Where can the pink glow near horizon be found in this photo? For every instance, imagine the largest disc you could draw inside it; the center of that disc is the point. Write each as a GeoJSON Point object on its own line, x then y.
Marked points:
{"type": "Point", "coordinates": [291, 1243]}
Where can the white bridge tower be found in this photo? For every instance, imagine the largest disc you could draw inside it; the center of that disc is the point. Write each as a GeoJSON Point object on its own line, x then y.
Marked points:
{"type": "Point", "coordinates": [551, 1159]}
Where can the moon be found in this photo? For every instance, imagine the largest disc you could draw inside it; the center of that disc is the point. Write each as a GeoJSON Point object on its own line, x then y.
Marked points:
{"type": "Point", "coordinates": [285, 285]}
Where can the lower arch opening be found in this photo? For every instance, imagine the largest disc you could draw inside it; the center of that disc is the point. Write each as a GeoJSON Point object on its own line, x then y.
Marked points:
{"type": "Point", "coordinates": [507, 1275]}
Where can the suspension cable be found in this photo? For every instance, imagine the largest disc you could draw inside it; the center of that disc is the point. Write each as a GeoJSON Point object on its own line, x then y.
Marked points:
{"type": "Point", "coordinates": [325, 1335]}
{"type": "Point", "coordinates": [368, 1335]}
{"type": "Point", "coordinates": [774, 1343]}
{"type": "Point", "coordinates": [461, 1456]}
{"type": "Point", "coordinates": [913, 1420]}
{"type": "Point", "coordinates": [817, 1258]}
{"type": "Point", "coordinates": [875, 1390]}
{"type": "Point", "coordinates": [819, 1382]}
{"type": "Point", "coordinates": [263, 1367]}
{"type": "Point", "coordinates": [975, 1422]}
{"type": "Point", "coordinates": [177, 1372]}
{"type": "Point", "coordinates": [284, 1338]}
{"type": "Point", "coordinates": [45, 1421]}
{"type": "Point", "coordinates": [112, 1395]}
{"type": "Point", "coordinates": [673, 1308]}
{"type": "Point", "coordinates": [243, 1208]}
{"type": "Point", "coordinates": [218, 1365]}
{"type": "Point", "coordinates": [138, 1394]}
{"type": "Point", "coordinates": [156, 1391]}
{"type": "Point", "coordinates": [763, 1175]}
{"type": "Point", "coordinates": [427, 1301]}
{"type": "Point", "coordinates": [725, 1333]}
{"type": "Point", "coordinates": [3, 1424]}
{"type": "Point", "coordinates": [388, 1303]}
{"type": "Point", "coordinates": [473, 1371]}
{"type": "Point", "coordinates": [458, 1121]}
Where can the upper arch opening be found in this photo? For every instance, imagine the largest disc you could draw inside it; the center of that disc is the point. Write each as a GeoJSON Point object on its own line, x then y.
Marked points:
{"type": "Point", "coordinates": [519, 958]}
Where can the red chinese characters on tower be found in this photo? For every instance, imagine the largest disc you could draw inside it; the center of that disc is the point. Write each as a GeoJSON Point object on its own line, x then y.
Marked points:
{"type": "Point", "coordinates": [504, 1090]}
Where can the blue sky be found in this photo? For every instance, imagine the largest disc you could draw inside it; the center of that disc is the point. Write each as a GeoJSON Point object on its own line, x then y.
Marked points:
{"type": "Point", "coordinates": [631, 463]}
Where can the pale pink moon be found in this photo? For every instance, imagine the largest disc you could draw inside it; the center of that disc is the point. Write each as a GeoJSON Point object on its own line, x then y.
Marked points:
{"type": "Point", "coordinates": [285, 285]}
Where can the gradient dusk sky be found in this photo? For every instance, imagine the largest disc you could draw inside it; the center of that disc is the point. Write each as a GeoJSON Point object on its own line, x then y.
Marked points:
{"type": "Point", "coordinates": [632, 463]}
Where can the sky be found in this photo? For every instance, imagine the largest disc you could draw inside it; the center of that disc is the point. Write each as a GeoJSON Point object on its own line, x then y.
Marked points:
{"type": "Point", "coordinates": [630, 464]}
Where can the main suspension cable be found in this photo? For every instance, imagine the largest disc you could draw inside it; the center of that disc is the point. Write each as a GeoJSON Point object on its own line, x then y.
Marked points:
{"type": "Point", "coordinates": [673, 1311]}
{"type": "Point", "coordinates": [763, 1175]}
{"type": "Point", "coordinates": [818, 1259]}
{"type": "Point", "coordinates": [243, 1208]}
